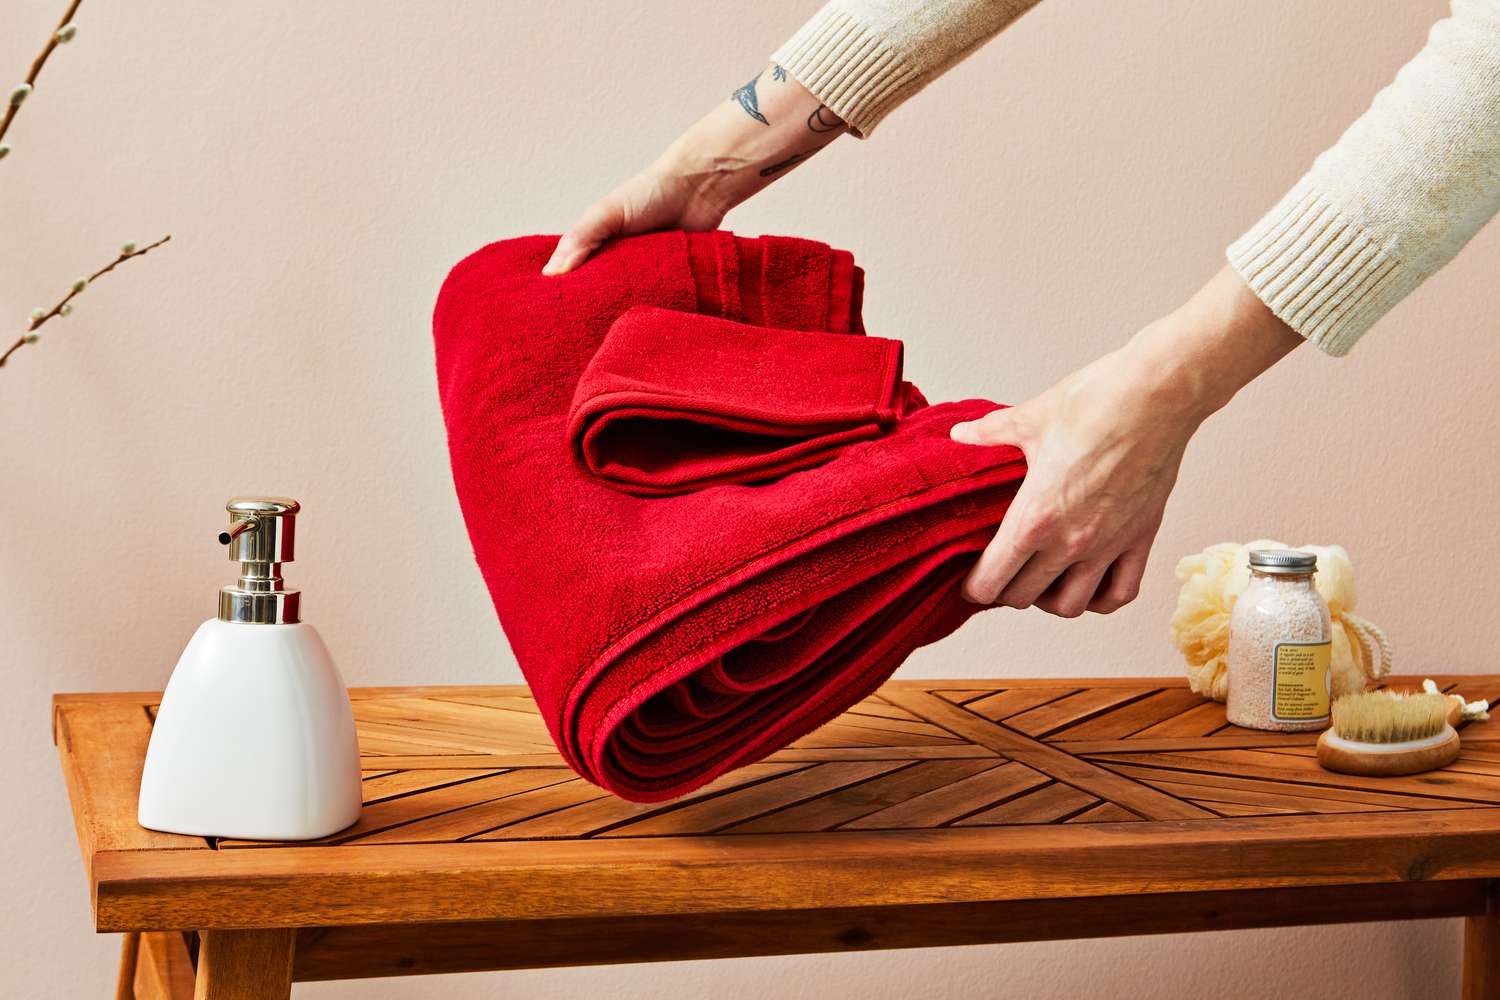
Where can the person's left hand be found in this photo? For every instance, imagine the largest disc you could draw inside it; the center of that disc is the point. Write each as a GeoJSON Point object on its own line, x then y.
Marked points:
{"type": "Point", "coordinates": [1100, 467]}
{"type": "Point", "coordinates": [1103, 447]}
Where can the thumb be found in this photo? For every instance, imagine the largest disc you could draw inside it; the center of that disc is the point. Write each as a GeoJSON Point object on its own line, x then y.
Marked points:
{"type": "Point", "coordinates": [995, 427]}
{"type": "Point", "coordinates": [571, 251]}
{"type": "Point", "coordinates": [602, 221]}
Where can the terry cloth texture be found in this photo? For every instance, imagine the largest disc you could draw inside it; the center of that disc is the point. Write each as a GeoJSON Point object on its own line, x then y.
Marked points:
{"type": "Point", "coordinates": [675, 401]}
{"type": "Point", "coordinates": [669, 639]}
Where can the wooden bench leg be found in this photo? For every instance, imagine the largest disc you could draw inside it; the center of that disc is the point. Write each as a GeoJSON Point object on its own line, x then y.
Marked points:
{"type": "Point", "coordinates": [1482, 951]}
{"type": "Point", "coordinates": [158, 969]}
{"type": "Point", "coordinates": [125, 983]}
{"type": "Point", "coordinates": [245, 965]}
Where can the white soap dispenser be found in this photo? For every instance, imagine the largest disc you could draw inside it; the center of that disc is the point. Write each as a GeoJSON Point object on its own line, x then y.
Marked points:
{"type": "Point", "coordinates": [255, 735]}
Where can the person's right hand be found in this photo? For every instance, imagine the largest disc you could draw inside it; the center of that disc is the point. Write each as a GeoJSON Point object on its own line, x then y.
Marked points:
{"type": "Point", "coordinates": [766, 128]}
{"type": "Point", "coordinates": [659, 197]}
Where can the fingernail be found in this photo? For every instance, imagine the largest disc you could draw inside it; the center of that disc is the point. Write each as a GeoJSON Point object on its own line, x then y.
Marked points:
{"type": "Point", "coordinates": [562, 256]}
{"type": "Point", "coordinates": [963, 433]}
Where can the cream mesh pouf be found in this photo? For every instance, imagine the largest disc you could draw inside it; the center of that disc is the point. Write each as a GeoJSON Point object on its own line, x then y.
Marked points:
{"type": "Point", "coordinates": [1212, 580]}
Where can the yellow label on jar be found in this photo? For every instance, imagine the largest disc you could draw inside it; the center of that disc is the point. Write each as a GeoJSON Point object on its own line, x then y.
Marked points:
{"type": "Point", "coordinates": [1299, 681]}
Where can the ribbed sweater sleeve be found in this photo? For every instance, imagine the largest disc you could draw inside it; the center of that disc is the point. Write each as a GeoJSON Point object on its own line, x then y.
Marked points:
{"type": "Point", "coordinates": [862, 58]}
{"type": "Point", "coordinates": [1409, 183]}
{"type": "Point", "coordinates": [1395, 198]}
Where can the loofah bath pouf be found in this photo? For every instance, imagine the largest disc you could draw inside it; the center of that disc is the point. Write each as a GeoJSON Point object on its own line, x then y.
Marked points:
{"type": "Point", "coordinates": [1212, 580]}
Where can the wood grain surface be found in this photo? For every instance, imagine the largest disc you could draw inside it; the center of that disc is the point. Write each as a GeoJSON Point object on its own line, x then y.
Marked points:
{"type": "Point", "coordinates": [1032, 800]}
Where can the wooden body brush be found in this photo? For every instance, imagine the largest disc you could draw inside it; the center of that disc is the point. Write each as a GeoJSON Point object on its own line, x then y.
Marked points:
{"type": "Point", "coordinates": [1388, 733]}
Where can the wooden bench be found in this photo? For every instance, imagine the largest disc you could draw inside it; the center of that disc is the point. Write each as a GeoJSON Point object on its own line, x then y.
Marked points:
{"type": "Point", "coordinates": [935, 813]}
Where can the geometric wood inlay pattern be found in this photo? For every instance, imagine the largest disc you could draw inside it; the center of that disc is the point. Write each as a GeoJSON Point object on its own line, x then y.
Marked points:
{"type": "Point", "coordinates": [447, 768]}
{"type": "Point", "coordinates": [967, 792]}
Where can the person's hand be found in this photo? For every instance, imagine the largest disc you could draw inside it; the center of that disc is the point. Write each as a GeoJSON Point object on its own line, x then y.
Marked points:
{"type": "Point", "coordinates": [660, 197]}
{"type": "Point", "coordinates": [1103, 448]}
{"type": "Point", "coordinates": [1100, 466]}
{"type": "Point", "coordinates": [763, 131]}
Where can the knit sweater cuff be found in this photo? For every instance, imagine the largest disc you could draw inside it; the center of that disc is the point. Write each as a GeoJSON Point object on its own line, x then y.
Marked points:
{"type": "Point", "coordinates": [1318, 270]}
{"type": "Point", "coordinates": [848, 67]}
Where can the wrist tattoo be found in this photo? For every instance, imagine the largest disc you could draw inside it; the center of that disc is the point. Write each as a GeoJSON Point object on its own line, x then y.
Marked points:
{"type": "Point", "coordinates": [777, 168]}
{"type": "Point", "coordinates": [778, 73]}
{"type": "Point", "coordinates": [746, 96]}
{"type": "Point", "coordinates": [823, 120]}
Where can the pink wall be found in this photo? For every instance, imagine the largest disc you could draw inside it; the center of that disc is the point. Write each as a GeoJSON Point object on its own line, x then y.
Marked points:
{"type": "Point", "coordinates": [320, 165]}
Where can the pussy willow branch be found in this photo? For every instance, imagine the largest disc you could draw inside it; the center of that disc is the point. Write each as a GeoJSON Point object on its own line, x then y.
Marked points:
{"type": "Point", "coordinates": [74, 292]}
{"type": "Point", "coordinates": [36, 64]}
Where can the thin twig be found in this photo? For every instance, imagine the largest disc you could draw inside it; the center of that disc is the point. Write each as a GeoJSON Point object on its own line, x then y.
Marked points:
{"type": "Point", "coordinates": [37, 64]}
{"type": "Point", "coordinates": [74, 292]}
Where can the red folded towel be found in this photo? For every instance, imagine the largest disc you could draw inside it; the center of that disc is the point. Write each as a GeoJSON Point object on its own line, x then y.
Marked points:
{"type": "Point", "coordinates": [675, 401]}
{"type": "Point", "coordinates": [670, 639]}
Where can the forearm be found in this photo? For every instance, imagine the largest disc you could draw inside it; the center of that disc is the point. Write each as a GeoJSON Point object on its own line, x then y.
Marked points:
{"type": "Point", "coordinates": [1191, 362]}
{"type": "Point", "coordinates": [762, 132]}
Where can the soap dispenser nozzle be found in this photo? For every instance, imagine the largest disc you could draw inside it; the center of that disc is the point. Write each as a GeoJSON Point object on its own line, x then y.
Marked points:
{"type": "Point", "coordinates": [260, 538]}
{"type": "Point", "coordinates": [236, 529]}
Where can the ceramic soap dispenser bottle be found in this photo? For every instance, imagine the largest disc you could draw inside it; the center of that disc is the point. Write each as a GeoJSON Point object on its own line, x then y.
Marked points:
{"type": "Point", "coordinates": [255, 736]}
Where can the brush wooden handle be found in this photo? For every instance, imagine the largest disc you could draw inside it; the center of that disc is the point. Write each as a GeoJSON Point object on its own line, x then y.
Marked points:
{"type": "Point", "coordinates": [1378, 763]}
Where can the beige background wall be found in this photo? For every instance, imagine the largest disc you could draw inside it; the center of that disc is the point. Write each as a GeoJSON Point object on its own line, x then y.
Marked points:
{"type": "Point", "coordinates": [321, 165]}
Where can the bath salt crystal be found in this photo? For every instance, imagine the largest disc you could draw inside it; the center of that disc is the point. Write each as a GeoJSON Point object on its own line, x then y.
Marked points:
{"type": "Point", "coordinates": [1279, 646]}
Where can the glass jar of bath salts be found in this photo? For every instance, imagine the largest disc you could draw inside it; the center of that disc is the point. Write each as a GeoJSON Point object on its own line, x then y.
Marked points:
{"type": "Point", "coordinates": [1279, 646]}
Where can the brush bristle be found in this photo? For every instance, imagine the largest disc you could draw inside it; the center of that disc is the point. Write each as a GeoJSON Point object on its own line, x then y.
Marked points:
{"type": "Point", "coordinates": [1389, 716]}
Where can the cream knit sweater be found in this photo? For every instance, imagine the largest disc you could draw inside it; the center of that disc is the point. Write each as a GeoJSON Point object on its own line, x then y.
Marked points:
{"type": "Point", "coordinates": [1390, 203]}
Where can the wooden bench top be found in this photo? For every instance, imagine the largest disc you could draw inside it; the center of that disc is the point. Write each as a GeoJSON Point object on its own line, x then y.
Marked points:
{"type": "Point", "coordinates": [930, 792]}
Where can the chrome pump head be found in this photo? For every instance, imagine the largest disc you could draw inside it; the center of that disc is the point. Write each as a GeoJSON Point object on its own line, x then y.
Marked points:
{"type": "Point", "coordinates": [260, 538]}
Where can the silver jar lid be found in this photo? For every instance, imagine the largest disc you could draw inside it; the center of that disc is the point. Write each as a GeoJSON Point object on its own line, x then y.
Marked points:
{"type": "Point", "coordinates": [1290, 562]}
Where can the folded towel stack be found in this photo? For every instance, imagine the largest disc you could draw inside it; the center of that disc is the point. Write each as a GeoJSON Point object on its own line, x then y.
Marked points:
{"type": "Point", "coordinates": [675, 402]}
{"type": "Point", "coordinates": [709, 512]}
